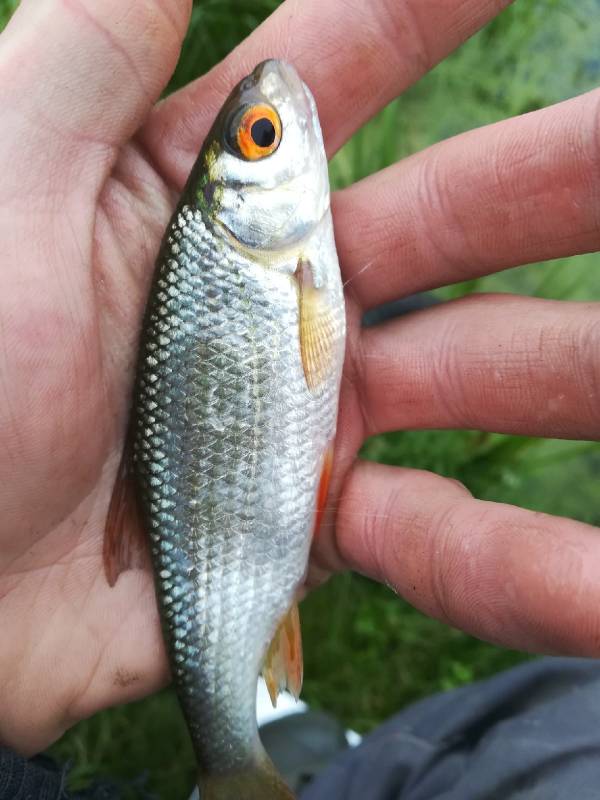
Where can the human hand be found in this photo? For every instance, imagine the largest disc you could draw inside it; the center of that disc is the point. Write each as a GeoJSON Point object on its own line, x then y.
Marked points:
{"type": "Point", "coordinates": [89, 177]}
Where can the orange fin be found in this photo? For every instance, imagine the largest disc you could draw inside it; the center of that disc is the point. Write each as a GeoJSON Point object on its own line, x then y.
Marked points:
{"type": "Point", "coordinates": [317, 328]}
{"type": "Point", "coordinates": [323, 489]}
{"type": "Point", "coordinates": [124, 547]}
{"type": "Point", "coordinates": [283, 667]}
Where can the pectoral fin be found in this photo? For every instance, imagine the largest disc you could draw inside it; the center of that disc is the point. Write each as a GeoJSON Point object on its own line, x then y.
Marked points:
{"type": "Point", "coordinates": [317, 327]}
{"type": "Point", "coordinates": [283, 667]}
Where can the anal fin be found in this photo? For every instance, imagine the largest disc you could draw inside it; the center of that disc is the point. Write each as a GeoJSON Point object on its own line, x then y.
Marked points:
{"type": "Point", "coordinates": [124, 547]}
{"type": "Point", "coordinates": [283, 666]}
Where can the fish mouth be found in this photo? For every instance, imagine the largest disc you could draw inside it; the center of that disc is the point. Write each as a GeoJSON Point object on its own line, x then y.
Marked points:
{"type": "Point", "coordinates": [286, 73]}
{"type": "Point", "coordinates": [274, 74]}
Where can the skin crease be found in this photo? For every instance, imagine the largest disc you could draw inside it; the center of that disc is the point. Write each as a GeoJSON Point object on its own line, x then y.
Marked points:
{"type": "Point", "coordinates": [89, 175]}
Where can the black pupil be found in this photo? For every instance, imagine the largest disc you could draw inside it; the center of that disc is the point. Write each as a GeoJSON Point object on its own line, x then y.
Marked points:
{"type": "Point", "coordinates": [263, 132]}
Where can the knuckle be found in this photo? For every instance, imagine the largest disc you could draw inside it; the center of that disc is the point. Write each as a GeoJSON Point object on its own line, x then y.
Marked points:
{"type": "Point", "coordinates": [467, 550]}
{"type": "Point", "coordinates": [450, 236]}
{"type": "Point", "coordinates": [405, 33]}
{"type": "Point", "coordinates": [170, 14]}
{"type": "Point", "coordinates": [452, 388]}
{"type": "Point", "coordinates": [445, 571]}
{"type": "Point", "coordinates": [591, 130]}
{"type": "Point", "coordinates": [586, 349]}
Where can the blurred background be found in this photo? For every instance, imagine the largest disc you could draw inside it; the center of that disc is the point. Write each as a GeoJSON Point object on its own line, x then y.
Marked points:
{"type": "Point", "coordinates": [367, 652]}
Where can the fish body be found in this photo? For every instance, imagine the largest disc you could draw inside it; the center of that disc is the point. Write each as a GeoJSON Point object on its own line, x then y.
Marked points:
{"type": "Point", "coordinates": [235, 411]}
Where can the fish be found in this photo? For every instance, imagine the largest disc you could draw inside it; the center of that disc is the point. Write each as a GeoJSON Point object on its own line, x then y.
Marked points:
{"type": "Point", "coordinates": [234, 418]}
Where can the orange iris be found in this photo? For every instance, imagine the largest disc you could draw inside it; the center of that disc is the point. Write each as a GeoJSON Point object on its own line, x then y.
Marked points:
{"type": "Point", "coordinates": [259, 132]}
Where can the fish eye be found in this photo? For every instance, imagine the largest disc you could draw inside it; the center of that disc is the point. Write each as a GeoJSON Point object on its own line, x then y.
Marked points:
{"type": "Point", "coordinates": [257, 132]}
{"type": "Point", "coordinates": [263, 132]}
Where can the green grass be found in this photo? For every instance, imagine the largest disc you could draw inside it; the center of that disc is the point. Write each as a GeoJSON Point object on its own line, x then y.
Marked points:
{"type": "Point", "coordinates": [367, 652]}
{"type": "Point", "coordinates": [6, 9]}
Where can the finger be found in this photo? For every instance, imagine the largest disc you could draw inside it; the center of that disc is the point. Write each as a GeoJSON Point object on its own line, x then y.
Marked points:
{"type": "Point", "coordinates": [490, 362]}
{"type": "Point", "coordinates": [84, 72]}
{"type": "Point", "coordinates": [513, 577]}
{"type": "Point", "coordinates": [518, 191]}
{"type": "Point", "coordinates": [355, 57]}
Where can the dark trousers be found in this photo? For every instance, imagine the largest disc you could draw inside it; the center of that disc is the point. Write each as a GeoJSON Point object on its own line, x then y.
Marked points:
{"type": "Point", "coordinates": [532, 733]}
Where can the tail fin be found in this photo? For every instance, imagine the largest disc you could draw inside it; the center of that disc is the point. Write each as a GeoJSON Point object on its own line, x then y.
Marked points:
{"type": "Point", "coordinates": [259, 782]}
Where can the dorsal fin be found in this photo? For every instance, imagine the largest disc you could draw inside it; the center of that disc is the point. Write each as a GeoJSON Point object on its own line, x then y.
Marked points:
{"type": "Point", "coordinates": [124, 546]}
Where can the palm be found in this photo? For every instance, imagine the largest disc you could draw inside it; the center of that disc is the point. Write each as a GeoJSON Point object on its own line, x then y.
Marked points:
{"type": "Point", "coordinates": [81, 216]}
{"type": "Point", "coordinates": [67, 419]}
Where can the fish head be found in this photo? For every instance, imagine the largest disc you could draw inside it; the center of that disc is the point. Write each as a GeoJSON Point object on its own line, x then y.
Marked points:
{"type": "Point", "coordinates": [262, 173]}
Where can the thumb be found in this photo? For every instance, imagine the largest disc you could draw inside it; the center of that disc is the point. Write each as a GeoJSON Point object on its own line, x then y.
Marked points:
{"type": "Point", "coordinates": [75, 73]}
